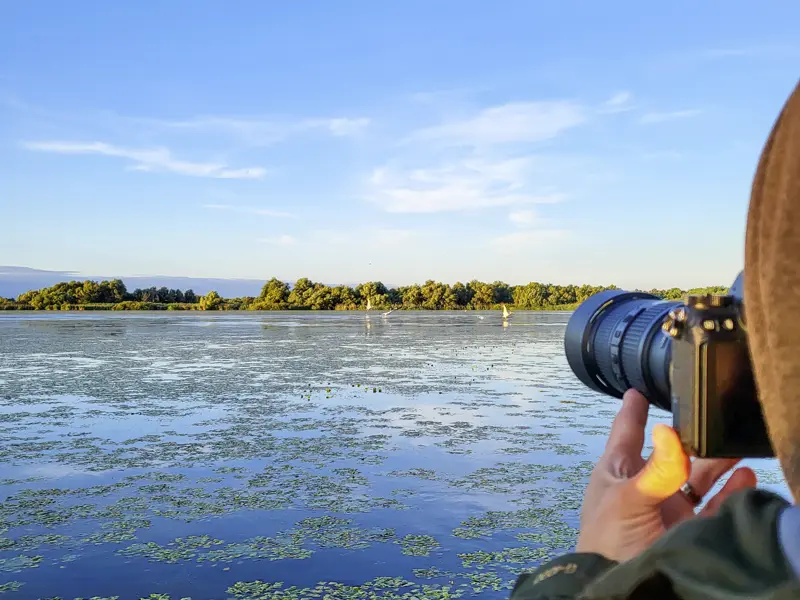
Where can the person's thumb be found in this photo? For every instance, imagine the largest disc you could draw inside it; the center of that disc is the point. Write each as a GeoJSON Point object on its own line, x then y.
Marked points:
{"type": "Point", "coordinates": [667, 469]}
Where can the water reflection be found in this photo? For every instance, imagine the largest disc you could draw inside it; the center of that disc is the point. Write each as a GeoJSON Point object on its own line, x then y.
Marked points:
{"type": "Point", "coordinates": [196, 454]}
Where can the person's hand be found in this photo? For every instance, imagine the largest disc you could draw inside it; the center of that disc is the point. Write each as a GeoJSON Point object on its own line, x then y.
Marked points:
{"type": "Point", "coordinates": [630, 503]}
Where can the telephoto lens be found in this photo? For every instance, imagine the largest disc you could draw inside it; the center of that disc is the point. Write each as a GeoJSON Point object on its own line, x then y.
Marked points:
{"type": "Point", "coordinates": [615, 341]}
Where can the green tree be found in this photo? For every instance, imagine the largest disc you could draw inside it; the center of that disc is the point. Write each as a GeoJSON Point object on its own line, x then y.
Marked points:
{"type": "Point", "coordinates": [115, 291]}
{"type": "Point", "coordinates": [211, 301]}
{"type": "Point", "coordinates": [274, 294]}
{"type": "Point", "coordinates": [321, 297]}
{"type": "Point", "coordinates": [462, 293]}
{"type": "Point", "coordinates": [301, 291]}
{"type": "Point", "coordinates": [374, 291]}
{"type": "Point", "coordinates": [437, 296]}
{"type": "Point", "coordinates": [482, 294]}
{"type": "Point", "coordinates": [413, 297]}
{"type": "Point", "coordinates": [346, 298]}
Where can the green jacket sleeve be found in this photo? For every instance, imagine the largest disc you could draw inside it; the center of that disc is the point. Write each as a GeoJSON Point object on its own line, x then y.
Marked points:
{"type": "Point", "coordinates": [561, 578]}
{"type": "Point", "coordinates": [733, 554]}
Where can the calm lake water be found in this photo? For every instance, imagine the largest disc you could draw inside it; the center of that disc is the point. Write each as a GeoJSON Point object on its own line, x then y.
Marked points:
{"type": "Point", "coordinates": [290, 455]}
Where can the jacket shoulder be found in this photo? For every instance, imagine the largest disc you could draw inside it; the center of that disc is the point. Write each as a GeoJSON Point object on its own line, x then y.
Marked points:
{"type": "Point", "coordinates": [734, 553]}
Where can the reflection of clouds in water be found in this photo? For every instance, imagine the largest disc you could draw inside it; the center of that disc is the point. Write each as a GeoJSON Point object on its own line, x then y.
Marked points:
{"type": "Point", "coordinates": [51, 471]}
{"type": "Point", "coordinates": [281, 398]}
{"type": "Point", "coordinates": [68, 357]}
{"type": "Point", "coordinates": [164, 377]}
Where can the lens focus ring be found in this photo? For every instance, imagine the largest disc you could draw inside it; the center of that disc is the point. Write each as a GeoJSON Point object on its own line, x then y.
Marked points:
{"type": "Point", "coordinates": [635, 350]}
{"type": "Point", "coordinates": [602, 356]}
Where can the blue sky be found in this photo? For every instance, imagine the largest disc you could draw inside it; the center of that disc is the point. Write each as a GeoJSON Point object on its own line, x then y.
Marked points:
{"type": "Point", "coordinates": [346, 141]}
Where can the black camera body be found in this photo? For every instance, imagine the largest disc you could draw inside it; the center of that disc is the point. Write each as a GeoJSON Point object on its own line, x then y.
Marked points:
{"type": "Point", "coordinates": [691, 358]}
{"type": "Point", "coordinates": [714, 402]}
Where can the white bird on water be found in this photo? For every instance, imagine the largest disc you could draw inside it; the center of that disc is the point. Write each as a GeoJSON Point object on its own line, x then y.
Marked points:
{"type": "Point", "coordinates": [506, 314]}
{"type": "Point", "coordinates": [387, 313]}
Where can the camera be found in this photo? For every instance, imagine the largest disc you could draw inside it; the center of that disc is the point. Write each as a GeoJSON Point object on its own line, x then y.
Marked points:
{"type": "Point", "coordinates": [689, 357]}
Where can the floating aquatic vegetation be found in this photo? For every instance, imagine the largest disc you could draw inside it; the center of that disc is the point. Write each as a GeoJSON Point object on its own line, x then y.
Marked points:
{"type": "Point", "coordinates": [419, 545]}
{"type": "Point", "coordinates": [176, 551]}
{"type": "Point", "coordinates": [11, 586]}
{"type": "Point", "coordinates": [29, 543]}
{"type": "Point", "coordinates": [557, 535]}
{"type": "Point", "coordinates": [577, 473]}
{"type": "Point", "coordinates": [323, 532]}
{"type": "Point", "coordinates": [418, 472]}
{"type": "Point", "coordinates": [490, 580]}
{"type": "Point", "coordinates": [10, 482]}
{"type": "Point", "coordinates": [506, 477]}
{"type": "Point", "coordinates": [331, 532]}
{"type": "Point", "coordinates": [540, 518]}
{"type": "Point", "coordinates": [770, 477]}
{"type": "Point", "coordinates": [433, 573]}
{"type": "Point", "coordinates": [516, 556]}
{"type": "Point", "coordinates": [280, 547]}
{"type": "Point", "coordinates": [394, 588]}
{"type": "Point", "coordinates": [19, 563]}
{"type": "Point", "coordinates": [192, 431]}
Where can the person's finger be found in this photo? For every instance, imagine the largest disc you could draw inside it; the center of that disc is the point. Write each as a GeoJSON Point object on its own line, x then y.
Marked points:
{"type": "Point", "coordinates": [666, 470]}
{"type": "Point", "coordinates": [741, 479]}
{"type": "Point", "coordinates": [706, 472]}
{"type": "Point", "coordinates": [627, 431]}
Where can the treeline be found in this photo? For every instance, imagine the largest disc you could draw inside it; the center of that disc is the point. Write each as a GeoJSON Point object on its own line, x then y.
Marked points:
{"type": "Point", "coordinates": [308, 295]}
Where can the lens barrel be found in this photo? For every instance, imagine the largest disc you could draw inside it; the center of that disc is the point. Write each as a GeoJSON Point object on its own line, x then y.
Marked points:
{"type": "Point", "coordinates": [614, 342]}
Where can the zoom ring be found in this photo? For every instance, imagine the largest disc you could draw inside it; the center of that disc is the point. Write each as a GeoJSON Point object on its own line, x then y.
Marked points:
{"type": "Point", "coordinates": [633, 361]}
{"type": "Point", "coordinates": [604, 338]}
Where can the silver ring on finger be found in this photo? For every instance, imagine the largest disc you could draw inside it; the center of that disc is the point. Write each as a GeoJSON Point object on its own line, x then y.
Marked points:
{"type": "Point", "coordinates": [690, 494]}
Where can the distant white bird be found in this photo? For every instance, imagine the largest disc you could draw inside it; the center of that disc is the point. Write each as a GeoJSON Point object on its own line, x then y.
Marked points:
{"type": "Point", "coordinates": [506, 314]}
{"type": "Point", "coordinates": [480, 317]}
{"type": "Point", "coordinates": [387, 313]}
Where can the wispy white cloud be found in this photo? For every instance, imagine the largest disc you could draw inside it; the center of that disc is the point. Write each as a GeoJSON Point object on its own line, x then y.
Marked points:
{"type": "Point", "coordinates": [515, 122]}
{"type": "Point", "coordinates": [262, 131]}
{"type": "Point", "coordinates": [250, 210]}
{"type": "Point", "coordinates": [150, 160]}
{"type": "Point", "coordinates": [482, 160]}
{"type": "Point", "coordinates": [466, 185]}
{"type": "Point", "coordinates": [252, 130]}
{"type": "Point", "coordinates": [447, 95]}
{"type": "Point", "coordinates": [280, 240]}
{"type": "Point", "coordinates": [619, 99]}
{"type": "Point", "coordinates": [342, 127]}
{"type": "Point", "coordinates": [661, 117]}
{"type": "Point", "coordinates": [617, 103]}
{"type": "Point", "coordinates": [524, 217]}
